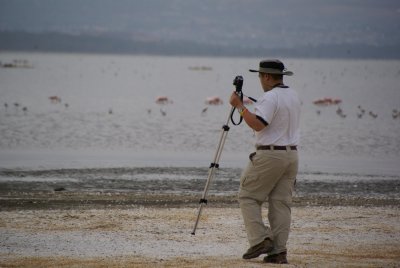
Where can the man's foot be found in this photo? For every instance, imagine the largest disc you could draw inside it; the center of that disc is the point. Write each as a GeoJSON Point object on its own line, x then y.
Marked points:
{"type": "Point", "coordinates": [279, 258]}
{"type": "Point", "coordinates": [262, 248]}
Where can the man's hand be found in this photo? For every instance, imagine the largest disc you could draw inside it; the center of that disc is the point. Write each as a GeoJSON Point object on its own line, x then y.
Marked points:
{"type": "Point", "coordinates": [235, 101]}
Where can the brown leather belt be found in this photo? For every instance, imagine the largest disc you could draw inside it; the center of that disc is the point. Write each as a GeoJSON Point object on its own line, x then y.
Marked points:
{"type": "Point", "coordinates": [276, 147]}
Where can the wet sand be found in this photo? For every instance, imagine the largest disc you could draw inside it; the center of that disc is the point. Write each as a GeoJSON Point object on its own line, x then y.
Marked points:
{"type": "Point", "coordinates": [96, 200]}
{"type": "Point", "coordinates": [177, 186]}
{"type": "Point", "coordinates": [153, 230]}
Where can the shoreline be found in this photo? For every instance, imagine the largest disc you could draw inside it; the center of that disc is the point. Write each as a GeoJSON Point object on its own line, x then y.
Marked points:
{"type": "Point", "coordinates": [177, 187]}
{"type": "Point", "coordinates": [90, 159]}
{"type": "Point", "coordinates": [118, 200]}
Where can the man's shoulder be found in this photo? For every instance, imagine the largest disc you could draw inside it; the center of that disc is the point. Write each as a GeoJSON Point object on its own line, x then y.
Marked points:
{"type": "Point", "coordinates": [269, 93]}
{"type": "Point", "coordinates": [289, 91]}
{"type": "Point", "coordinates": [269, 96]}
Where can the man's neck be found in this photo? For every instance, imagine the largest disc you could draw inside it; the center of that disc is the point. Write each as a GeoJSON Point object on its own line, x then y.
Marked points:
{"type": "Point", "coordinates": [277, 84]}
{"type": "Point", "coordinates": [274, 85]}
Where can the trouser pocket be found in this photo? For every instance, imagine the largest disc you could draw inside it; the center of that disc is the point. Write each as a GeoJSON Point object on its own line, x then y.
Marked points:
{"type": "Point", "coordinates": [251, 156]}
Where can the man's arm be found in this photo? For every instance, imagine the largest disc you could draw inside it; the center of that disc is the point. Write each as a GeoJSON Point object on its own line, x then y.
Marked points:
{"type": "Point", "coordinates": [252, 120]}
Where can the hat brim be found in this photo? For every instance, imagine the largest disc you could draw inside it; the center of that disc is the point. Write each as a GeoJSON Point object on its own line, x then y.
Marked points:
{"type": "Point", "coordinates": [271, 71]}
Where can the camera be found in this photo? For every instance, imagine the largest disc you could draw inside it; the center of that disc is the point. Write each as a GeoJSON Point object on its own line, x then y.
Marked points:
{"type": "Point", "coordinates": [238, 83]}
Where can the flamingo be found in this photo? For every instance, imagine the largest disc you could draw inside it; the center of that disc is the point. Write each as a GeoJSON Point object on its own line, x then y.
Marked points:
{"type": "Point", "coordinates": [215, 100]}
{"type": "Point", "coordinates": [163, 100]}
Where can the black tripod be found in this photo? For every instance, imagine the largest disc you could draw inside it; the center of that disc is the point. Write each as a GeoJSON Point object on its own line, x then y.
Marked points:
{"type": "Point", "coordinates": [238, 83]}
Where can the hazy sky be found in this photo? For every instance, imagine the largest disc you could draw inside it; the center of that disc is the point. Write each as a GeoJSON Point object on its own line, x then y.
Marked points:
{"type": "Point", "coordinates": [268, 23]}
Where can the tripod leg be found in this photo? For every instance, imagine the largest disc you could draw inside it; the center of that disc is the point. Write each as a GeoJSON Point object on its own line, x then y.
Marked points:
{"type": "Point", "coordinates": [211, 171]}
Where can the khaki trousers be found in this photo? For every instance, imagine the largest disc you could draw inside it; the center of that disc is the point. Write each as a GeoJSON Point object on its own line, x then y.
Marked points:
{"type": "Point", "coordinates": [270, 176]}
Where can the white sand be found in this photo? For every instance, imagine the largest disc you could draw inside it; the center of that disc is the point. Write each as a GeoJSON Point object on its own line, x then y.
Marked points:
{"type": "Point", "coordinates": [320, 237]}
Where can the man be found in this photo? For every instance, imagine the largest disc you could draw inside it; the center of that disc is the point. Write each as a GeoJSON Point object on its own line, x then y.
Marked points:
{"type": "Point", "coordinates": [271, 173]}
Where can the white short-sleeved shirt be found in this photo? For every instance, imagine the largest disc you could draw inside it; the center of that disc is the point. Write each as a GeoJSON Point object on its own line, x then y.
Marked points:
{"type": "Point", "coordinates": [280, 108]}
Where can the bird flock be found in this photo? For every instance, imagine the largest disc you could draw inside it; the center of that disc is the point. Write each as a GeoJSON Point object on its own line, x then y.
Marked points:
{"type": "Point", "coordinates": [164, 100]}
{"type": "Point", "coordinates": [361, 112]}
{"type": "Point", "coordinates": [161, 100]}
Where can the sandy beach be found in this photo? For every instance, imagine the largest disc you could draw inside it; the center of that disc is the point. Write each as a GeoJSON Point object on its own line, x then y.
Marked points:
{"type": "Point", "coordinates": [112, 230]}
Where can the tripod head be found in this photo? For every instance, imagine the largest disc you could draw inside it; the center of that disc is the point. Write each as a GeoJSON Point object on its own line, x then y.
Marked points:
{"type": "Point", "coordinates": [238, 83]}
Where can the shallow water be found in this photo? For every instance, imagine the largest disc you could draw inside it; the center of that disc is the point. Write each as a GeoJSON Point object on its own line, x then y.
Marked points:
{"type": "Point", "coordinates": [112, 119]}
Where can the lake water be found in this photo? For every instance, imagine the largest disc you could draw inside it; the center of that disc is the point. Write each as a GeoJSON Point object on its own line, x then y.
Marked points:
{"type": "Point", "coordinates": [108, 116]}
